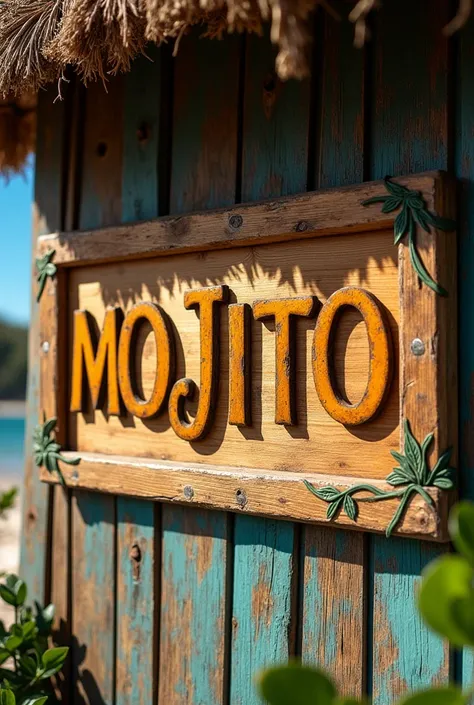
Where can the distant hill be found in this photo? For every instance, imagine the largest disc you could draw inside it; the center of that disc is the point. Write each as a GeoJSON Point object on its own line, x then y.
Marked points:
{"type": "Point", "coordinates": [13, 361]}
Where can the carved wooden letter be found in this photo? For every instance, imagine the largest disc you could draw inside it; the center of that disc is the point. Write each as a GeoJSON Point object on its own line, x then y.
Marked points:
{"type": "Point", "coordinates": [94, 361]}
{"type": "Point", "coordinates": [240, 407]}
{"type": "Point", "coordinates": [380, 356]}
{"type": "Point", "coordinates": [205, 300]}
{"type": "Point", "coordinates": [282, 311]}
{"type": "Point", "coordinates": [165, 364]}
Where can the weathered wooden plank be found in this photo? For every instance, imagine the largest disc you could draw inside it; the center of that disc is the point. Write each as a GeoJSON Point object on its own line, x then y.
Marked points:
{"type": "Point", "coordinates": [193, 607]}
{"type": "Point", "coordinates": [317, 214]}
{"type": "Point", "coordinates": [137, 567]}
{"type": "Point", "coordinates": [275, 127]}
{"type": "Point", "coordinates": [262, 612]}
{"type": "Point", "coordinates": [47, 217]}
{"type": "Point", "coordinates": [464, 169]}
{"type": "Point", "coordinates": [341, 141]}
{"type": "Point", "coordinates": [204, 150]}
{"type": "Point", "coordinates": [93, 594]}
{"type": "Point", "coordinates": [333, 624]}
{"type": "Point", "coordinates": [195, 542]}
{"type": "Point", "coordinates": [136, 615]}
{"type": "Point", "coordinates": [409, 132]}
{"type": "Point", "coordinates": [101, 182]}
{"type": "Point", "coordinates": [273, 493]}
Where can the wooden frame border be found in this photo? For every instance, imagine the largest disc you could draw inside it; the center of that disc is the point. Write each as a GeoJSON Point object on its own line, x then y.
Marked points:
{"type": "Point", "coordinates": [428, 382]}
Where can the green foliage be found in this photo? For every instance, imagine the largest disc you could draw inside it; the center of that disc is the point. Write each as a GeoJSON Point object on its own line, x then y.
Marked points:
{"type": "Point", "coordinates": [26, 648]}
{"type": "Point", "coordinates": [7, 500]}
{"type": "Point", "coordinates": [413, 212]}
{"type": "Point", "coordinates": [446, 601]}
{"type": "Point", "coordinates": [412, 474]}
{"type": "Point", "coordinates": [13, 361]}
{"type": "Point", "coordinates": [48, 451]}
{"type": "Point", "coordinates": [45, 268]}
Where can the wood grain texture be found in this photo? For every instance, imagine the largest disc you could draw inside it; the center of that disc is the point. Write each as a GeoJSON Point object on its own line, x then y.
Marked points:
{"type": "Point", "coordinates": [281, 270]}
{"type": "Point", "coordinates": [464, 169]}
{"type": "Point", "coordinates": [195, 542]}
{"type": "Point", "coordinates": [47, 216]}
{"type": "Point", "coordinates": [262, 611]}
{"type": "Point", "coordinates": [275, 127]}
{"type": "Point", "coordinates": [332, 212]}
{"type": "Point", "coordinates": [138, 559]}
{"type": "Point", "coordinates": [333, 623]}
{"type": "Point", "coordinates": [409, 132]}
{"type": "Point", "coordinates": [193, 606]}
{"type": "Point", "coordinates": [137, 570]}
{"type": "Point", "coordinates": [273, 493]}
{"type": "Point", "coordinates": [93, 595]}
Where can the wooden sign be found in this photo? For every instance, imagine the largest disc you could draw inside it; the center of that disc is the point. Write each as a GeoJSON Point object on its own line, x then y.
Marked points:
{"type": "Point", "coordinates": [284, 358]}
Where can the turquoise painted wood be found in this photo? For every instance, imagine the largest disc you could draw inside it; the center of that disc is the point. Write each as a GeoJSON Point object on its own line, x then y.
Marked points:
{"type": "Point", "coordinates": [137, 569]}
{"type": "Point", "coordinates": [193, 607]}
{"type": "Point", "coordinates": [262, 614]}
{"type": "Point", "coordinates": [136, 588]}
{"type": "Point", "coordinates": [464, 166]}
{"type": "Point", "coordinates": [409, 134]}
{"type": "Point", "coordinates": [37, 498]}
{"type": "Point", "coordinates": [93, 594]}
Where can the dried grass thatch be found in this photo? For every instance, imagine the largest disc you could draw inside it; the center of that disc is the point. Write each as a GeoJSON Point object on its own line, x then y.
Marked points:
{"type": "Point", "coordinates": [39, 38]}
{"type": "Point", "coordinates": [17, 133]}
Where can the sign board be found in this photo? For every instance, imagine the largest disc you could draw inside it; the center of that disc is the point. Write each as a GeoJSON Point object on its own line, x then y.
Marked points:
{"type": "Point", "coordinates": [268, 359]}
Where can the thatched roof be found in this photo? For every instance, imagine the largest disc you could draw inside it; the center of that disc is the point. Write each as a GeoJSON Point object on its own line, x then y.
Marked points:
{"type": "Point", "coordinates": [39, 38]}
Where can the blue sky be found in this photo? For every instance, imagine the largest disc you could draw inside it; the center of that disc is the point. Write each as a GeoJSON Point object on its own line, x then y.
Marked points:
{"type": "Point", "coordinates": [15, 238]}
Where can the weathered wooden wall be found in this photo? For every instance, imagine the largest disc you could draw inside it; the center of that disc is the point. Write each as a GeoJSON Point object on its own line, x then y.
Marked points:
{"type": "Point", "coordinates": [175, 606]}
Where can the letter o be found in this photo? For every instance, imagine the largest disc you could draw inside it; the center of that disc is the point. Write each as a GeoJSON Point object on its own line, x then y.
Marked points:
{"type": "Point", "coordinates": [380, 350]}
{"type": "Point", "coordinates": [164, 342]}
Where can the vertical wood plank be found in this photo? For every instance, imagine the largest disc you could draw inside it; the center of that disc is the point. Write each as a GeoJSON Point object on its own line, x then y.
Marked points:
{"type": "Point", "coordinates": [333, 615]}
{"type": "Point", "coordinates": [195, 564]}
{"type": "Point", "coordinates": [136, 615]}
{"type": "Point", "coordinates": [333, 611]}
{"type": "Point", "coordinates": [275, 127]}
{"type": "Point", "coordinates": [274, 163]}
{"type": "Point", "coordinates": [464, 168]}
{"type": "Point", "coordinates": [263, 601]}
{"type": "Point", "coordinates": [47, 218]}
{"type": "Point", "coordinates": [204, 150]}
{"type": "Point", "coordinates": [193, 615]}
{"type": "Point", "coordinates": [410, 133]}
{"type": "Point", "coordinates": [136, 559]}
{"type": "Point", "coordinates": [93, 516]}
{"type": "Point", "coordinates": [93, 569]}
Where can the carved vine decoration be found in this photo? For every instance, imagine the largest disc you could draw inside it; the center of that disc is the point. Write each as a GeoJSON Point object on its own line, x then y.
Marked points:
{"type": "Point", "coordinates": [45, 268]}
{"type": "Point", "coordinates": [47, 450]}
{"type": "Point", "coordinates": [412, 476]}
{"type": "Point", "coordinates": [413, 211]}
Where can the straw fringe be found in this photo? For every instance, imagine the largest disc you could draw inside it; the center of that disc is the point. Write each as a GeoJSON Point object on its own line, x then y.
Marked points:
{"type": "Point", "coordinates": [17, 134]}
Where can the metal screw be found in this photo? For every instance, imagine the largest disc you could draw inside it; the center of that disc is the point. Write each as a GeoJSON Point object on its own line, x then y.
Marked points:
{"type": "Point", "coordinates": [45, 347]}
{"type": "Point", "coordinates": [188, 492]}
{"type": "Point", "coordinates": [75, 475]}
{"type": "Point", "coordinates": [417, 347]}
{"type": "Point", "coordinates": [241, 498]}
{"type": "Point", "coordinates": [301, 226]}
{"type": "Point", "coordinates": [235, 221]}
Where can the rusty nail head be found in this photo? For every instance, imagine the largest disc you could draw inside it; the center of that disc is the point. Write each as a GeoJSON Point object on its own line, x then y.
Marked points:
{"type": "Point", "coordinates": [417, 347]}
{"type": "Point", "coordinates": [235, 221]}
{"type": "Point", "coordinates": [301, 226]}
{"type": "Point", "coordinates": [75, 475]}
{"type": "Point", "coordinates": [188, 492]}
{"type": "Point", "coordinates": [241, 498]}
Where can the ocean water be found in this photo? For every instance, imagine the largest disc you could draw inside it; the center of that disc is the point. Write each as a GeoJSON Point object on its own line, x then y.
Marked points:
{"type": "Point", "coordinates": [12, 439]}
